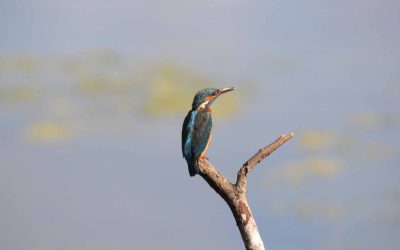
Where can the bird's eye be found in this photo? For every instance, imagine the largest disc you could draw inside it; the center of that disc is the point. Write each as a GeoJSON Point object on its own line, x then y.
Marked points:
{"type": "Point", "coordinates": [214, 93]}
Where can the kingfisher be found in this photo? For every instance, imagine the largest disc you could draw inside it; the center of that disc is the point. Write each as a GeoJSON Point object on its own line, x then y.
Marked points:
{"type": "Point", "coordinates": [197, 127]}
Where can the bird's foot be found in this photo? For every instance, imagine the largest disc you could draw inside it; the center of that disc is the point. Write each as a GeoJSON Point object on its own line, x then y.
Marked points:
{"type": "Point", "coordinates": [205, 157]}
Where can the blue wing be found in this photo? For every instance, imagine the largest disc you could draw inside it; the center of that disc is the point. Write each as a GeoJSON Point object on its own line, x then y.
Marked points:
{"type": "Point", "coordinates": [187, 132]}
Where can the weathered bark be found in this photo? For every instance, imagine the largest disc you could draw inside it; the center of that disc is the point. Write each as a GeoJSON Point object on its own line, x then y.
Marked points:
{"type": "Point", "coordinates": [235, 195]}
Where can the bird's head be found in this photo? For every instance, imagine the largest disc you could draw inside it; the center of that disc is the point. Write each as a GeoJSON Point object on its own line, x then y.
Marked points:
{"type": "Point", "coordinates": [205, 97]}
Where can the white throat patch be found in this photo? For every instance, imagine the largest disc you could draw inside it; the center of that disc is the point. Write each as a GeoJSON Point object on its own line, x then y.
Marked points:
{"type": "Point", "coordinates": [203, 105]}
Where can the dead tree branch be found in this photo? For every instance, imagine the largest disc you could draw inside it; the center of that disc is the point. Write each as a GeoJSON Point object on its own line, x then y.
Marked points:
{"type": "Point", "coordinates": [235, 195]}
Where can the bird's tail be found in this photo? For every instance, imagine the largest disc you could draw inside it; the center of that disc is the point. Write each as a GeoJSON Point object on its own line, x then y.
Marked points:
{"type": "Point", "coordinates": [193, 167]}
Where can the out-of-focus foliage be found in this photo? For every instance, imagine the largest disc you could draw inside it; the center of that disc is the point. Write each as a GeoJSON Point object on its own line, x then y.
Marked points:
{"type": "Point", "coordinates": [20, 64]}
{"type": "Point", "coordinates": [347, 145]}
{"type": "Point", "coordinates": [304, 170]}
{"type": "Point", "coordinates": [173, 88]}
{"type": "Point", "coordinates": [98, 89]}
{"type": "Point", "coordinates": [48, 131]}
{"type": "Point", "coordinates": [374, 120]}
{"type": "Point", "coordinates": [331, 211]}
{"type": "Point", "coordinates": [317, 140]}
{"type": "Point", "coordinates": [104, 84]}
{"type": "Point", "coordinates": [17, 94]}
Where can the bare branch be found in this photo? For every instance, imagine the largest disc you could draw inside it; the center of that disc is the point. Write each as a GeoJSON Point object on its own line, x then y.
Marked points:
{"type": "Point", "coordinates": [215, 179]}
{"type": "Point", "coordinates": [250, 164]}
{"type": "Point", "coordinates": [235, 195]}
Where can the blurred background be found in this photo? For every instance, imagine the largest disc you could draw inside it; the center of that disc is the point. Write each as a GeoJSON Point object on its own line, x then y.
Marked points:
{"type": "Point", "coordinates": [93, 95]}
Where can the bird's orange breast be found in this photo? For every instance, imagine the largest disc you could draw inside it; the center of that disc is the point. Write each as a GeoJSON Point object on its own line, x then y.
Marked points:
{"type": "Point", "coordinates": [208, 143]}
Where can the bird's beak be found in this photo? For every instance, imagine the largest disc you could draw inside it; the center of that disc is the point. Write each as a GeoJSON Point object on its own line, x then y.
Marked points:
{"type": "Point", "coordinates": [224, 90]}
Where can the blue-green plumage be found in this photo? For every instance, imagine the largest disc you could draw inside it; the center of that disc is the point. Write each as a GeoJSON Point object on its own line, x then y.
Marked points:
{"type": "Point", "coordinates": [197, 126]}
{"type": "Point", "coordinates": [195, 135]}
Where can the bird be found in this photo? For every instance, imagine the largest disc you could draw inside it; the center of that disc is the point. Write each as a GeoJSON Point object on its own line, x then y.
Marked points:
{"type": "Point", "coordinates": [197, 127]}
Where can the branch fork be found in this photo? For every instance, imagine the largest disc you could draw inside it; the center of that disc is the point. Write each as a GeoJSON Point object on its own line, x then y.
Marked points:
{"type": "Point", "coordinates": [235, 195]}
